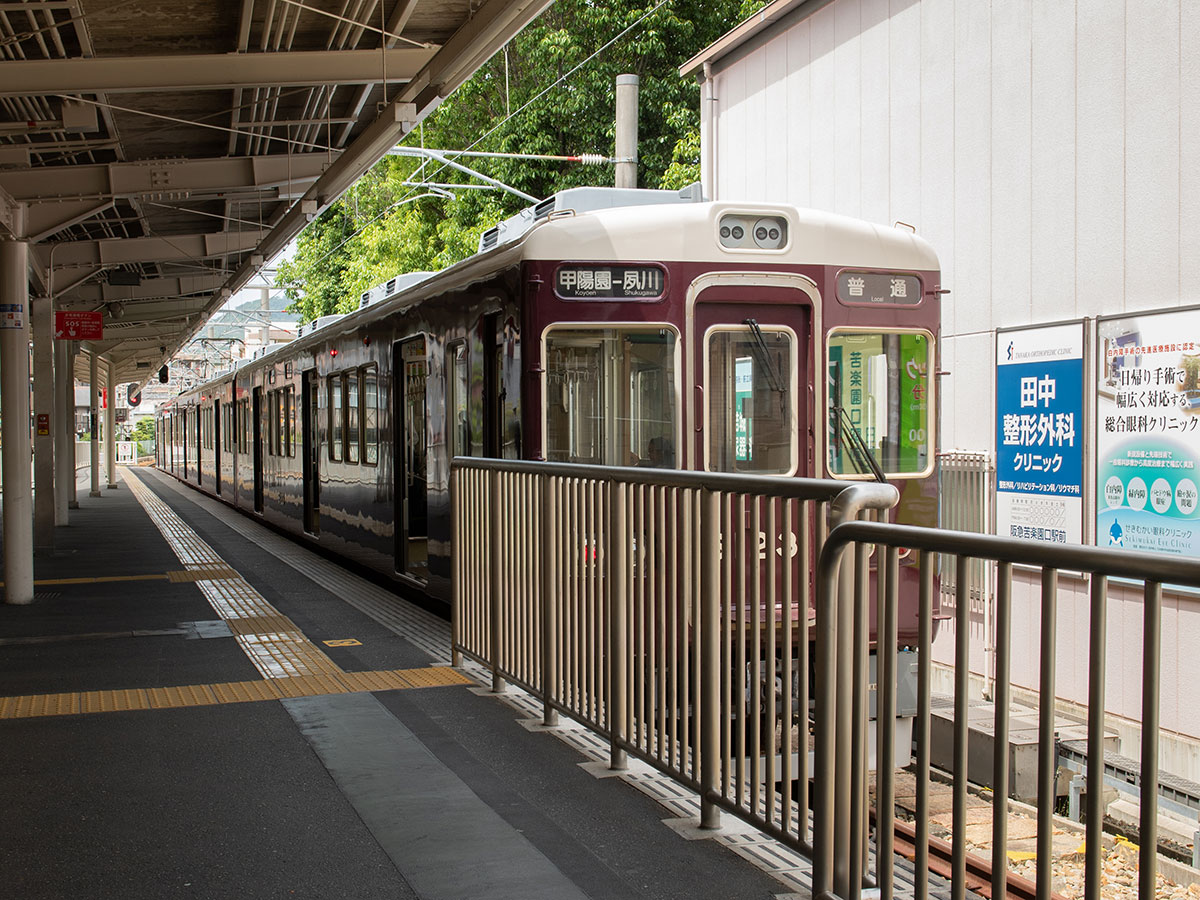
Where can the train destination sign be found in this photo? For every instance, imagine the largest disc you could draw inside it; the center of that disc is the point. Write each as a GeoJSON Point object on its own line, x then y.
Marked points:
{"type": "Point", "coordinates": [879, 287]}
{"type": "Point", "coordinates": [579, 282]}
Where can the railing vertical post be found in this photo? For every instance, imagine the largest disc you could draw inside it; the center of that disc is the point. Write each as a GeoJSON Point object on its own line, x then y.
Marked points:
{"type": "Point", "coordinates": [924, 723]}
{"type": "Point", "coordinates": [456, 557]}
{"type": "Point", "coordinates": [494, 479]}
{"type": "Point", "coordinates": [1148, 814]}
{"type": "Point", "coordinates": [1047, 752]}
{"type": "Point", "coordinates": [962, 673]}
{"type": "Point", "coordinates": [1001, 694]}
{"type": "Point", "coordinates": [835, 644]}
{"type": "Point", "coordinates": [1097, 667]}
{"type": "Point", "coordinates": [549, 545]}
{"type": "Point", "coordinates": [618, 598]}
{"type": "Point", "coordinates": [709, 670]}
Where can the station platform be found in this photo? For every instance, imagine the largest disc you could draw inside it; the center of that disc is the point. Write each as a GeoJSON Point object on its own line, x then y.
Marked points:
{"type": "Point", "coordinates": [194, 706]}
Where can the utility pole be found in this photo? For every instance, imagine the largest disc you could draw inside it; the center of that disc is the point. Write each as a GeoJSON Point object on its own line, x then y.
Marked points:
{"type": "Point", "coordinates": [627, 131]}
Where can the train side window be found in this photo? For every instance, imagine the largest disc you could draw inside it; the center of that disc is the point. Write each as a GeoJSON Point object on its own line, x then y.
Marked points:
{"type": "Point", "coordinates": [353, 433]}
{"type": "Point", "coordinates": [458, 424]}
{"type": "Point", "coordinates": [280, 422]}
{"type": "Point", "coordinates": [370, 395]}
{"type": "Point", "coordinates": [879, 403]}
{"type": "Point", "coordinates": [285, 422]}
{"type": "Point", "coordinates": [336, 427]}
{"type": "Point", "coordinates": [750, 394]}
{"type": "Point", "coordinates": [611, 396]}
{"type": "Point", "coordinates": [293, 438]}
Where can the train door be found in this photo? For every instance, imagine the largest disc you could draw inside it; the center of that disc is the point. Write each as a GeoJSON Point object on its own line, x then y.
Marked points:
{"type": "Point", "coordinates": [216, 439]}
{"type": "Point", "coordinates": [199, 444]}
{"type": "Point", "coordinates": [256, 417]}
{"type": "Point", "coordinates": [750, 358]}
{"type": "Point", "coordinates": [310, 449]}
{"type": "Point", "coordinates": [410, 367]}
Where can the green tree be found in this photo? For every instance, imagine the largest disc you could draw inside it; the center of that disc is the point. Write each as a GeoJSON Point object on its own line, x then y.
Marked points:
{"type": "Point", "coordinates": [143, 430]}
{"type": "Point", "coordinates": [516, 103]}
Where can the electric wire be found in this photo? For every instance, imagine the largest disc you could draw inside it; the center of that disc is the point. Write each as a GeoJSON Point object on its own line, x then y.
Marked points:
{"type": "Point", "coordinates": [554, 84]}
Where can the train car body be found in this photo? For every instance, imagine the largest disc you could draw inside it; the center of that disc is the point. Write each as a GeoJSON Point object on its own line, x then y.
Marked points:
{"type": "Point", "coordinates": [603, 326]}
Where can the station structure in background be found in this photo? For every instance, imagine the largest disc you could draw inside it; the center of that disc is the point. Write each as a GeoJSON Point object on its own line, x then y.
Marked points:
{"type": "Point", "coordinates": [152, 159]}
{"type": "Point", "coordinates": [1049, 152]}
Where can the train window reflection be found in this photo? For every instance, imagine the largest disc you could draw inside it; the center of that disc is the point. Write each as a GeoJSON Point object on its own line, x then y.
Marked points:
{"type": "Point", "coordinates": [459, 424]}
{"type": "Point", "coordinates": [370, 416]}
{"type": "Point", "coordinates": [610, 396]}
{"type": "Point", "coordinates": [335, 418]}
{"type": "Point", "coordinates": [879, 402]}
{"type": "Point", "coordinates": [353, 437]}
{"type": "Point", "coordinates": [751, 421]}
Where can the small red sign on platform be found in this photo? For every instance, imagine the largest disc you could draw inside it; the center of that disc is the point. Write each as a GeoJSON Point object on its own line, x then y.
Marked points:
{"type": "Point", "coordinates": [76, 325]}
{"type": "Point", "coordinates": [43, 424]}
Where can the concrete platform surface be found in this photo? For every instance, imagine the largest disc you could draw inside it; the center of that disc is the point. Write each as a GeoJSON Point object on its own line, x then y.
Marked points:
{"type": "Point", "coordinates": [175, 724]}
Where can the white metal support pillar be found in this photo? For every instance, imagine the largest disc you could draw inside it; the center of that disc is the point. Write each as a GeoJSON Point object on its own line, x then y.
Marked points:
{"type": "Point", "coordinates": [94, 422]}
{"type": "Point", "coordinates": [63, 427]}
{"type": "Point", "coordinates": [110, 426]}
{"type": "Point", "coordinates": [14, 397]}
{"type": "Point", "coordinates": [43, 435]}
{"type": "Point", "coordinates": [73, 503]}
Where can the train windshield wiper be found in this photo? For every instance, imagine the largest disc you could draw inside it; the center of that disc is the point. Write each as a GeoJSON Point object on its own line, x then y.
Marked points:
{"type": "Point", "coordinates": [763, 355]}
{"type": "Point", "coordinates": [863, 458]}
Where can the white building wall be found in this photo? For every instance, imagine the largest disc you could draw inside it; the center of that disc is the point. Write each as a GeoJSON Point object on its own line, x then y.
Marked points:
{"type": "Point", "coordinates": [1050, 152]}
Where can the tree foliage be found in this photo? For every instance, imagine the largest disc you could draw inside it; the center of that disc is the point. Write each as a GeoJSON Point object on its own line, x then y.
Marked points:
{"type": "Point", "coordinates": [143, 430]}
{"type": "Point", "coordinates": [516, 103]}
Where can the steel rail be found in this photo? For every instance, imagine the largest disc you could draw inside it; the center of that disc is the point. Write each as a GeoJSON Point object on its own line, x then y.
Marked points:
{"type": "Point", "coordinates": [978, 872]}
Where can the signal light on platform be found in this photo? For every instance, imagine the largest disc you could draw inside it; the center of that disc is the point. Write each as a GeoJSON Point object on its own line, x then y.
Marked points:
{"type": "Point", "coordinates": [163, 375]}
{"type": "Point", "coordinates": [333, 352]}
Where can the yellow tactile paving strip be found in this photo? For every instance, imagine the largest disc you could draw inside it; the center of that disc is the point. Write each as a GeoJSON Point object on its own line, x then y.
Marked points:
{"type": "Point", "coordinates": [39, 705]}
{"type": "Point", "coordinates": [291, 665]}
{"type": "Point", "coordinates": [273, 643]}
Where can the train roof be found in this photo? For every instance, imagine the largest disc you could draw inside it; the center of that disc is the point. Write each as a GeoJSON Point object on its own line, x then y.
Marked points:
{"type": "Point", "coordinates": [689, 233]}
{"type": "Point", "coordinates": [678, 229]}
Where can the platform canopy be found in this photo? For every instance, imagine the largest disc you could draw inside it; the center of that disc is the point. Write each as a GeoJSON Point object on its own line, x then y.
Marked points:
{"type": "Point", "coordinates": [155, 153]}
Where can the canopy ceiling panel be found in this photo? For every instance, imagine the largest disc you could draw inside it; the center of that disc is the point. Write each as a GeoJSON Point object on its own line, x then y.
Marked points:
{"type": "Point", "coordinates": [156, 152]}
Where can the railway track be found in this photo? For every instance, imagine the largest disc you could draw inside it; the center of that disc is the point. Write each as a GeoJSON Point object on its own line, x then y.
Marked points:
{"type": "Point", "coordinates": [979, 869]}
{"type": "Point", "coordinates": [1119, 878]}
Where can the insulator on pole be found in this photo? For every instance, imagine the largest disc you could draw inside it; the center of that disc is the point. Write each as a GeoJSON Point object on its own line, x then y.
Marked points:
{"type": "Point", "coordinates": [593, 159]}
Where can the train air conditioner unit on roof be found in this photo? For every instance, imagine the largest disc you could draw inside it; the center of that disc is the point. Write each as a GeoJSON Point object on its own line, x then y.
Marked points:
{"type": "Point", "coordinates": [581, 200]}
{"type": "Point", "coordinates": [392, 287]}
{"type": "Point", "coordinates": [322, 321]}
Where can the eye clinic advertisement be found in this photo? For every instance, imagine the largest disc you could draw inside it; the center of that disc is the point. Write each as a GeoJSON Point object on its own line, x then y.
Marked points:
{"type": "Point", "coordinates": [1148, 432]}
{"type": "Point", "coordinates": [1039, 433]}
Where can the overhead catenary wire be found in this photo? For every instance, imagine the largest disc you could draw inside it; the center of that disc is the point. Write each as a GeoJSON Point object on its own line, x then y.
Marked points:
{"type": "Point", "coordinates": [554, 84]}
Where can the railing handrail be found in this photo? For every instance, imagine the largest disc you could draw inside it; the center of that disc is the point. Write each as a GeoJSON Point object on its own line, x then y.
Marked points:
{"type": "Point", "coordinates": [1112, 562]}
{"type": "Point", "coordinates": [782, 486]}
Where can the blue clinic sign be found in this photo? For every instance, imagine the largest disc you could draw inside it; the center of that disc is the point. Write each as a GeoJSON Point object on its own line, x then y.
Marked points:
{"type": "Point", "coordinates": [1039, 433]}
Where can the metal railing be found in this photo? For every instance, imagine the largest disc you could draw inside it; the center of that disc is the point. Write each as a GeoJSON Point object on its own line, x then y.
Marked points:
{"type": "Point", "coordinates": [842, 813]}
{"type": "Point", "coordinates": [670, 611]}
{"type": "Point", "coordinates": [673, 612]}
{"type": "Point", "coordinates": [965, 493]}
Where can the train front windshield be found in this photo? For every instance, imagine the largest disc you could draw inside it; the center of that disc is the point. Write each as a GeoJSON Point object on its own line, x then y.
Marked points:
{"type": "Point", "coordinates": [879, 403]}
{"type": "Point", "coordinates": [610, 396]}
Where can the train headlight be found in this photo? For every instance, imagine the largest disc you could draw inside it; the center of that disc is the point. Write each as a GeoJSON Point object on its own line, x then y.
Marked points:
{"type": "Point", "coordinates": [739, 232]}
{"type": "Point", "coordinates": [770, 233]}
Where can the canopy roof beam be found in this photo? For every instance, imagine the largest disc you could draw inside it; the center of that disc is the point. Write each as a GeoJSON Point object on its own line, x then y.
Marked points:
{"type": "Point", "coordinates": [212, 71]}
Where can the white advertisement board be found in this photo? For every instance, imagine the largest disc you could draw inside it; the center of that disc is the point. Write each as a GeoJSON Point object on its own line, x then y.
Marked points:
{"type": "Point", "coordinates": [1148, 432]}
